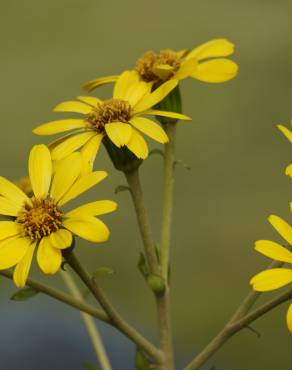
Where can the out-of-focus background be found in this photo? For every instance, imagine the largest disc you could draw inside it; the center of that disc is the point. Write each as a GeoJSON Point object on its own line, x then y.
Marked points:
{"type": "Point", "coordinates": [237, 158]}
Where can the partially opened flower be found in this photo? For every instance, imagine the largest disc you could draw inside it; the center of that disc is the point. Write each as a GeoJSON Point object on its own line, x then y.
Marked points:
{"type": "Point", "coordinates": [206, 63]}
{"type": "Point", "coordinates": [277, 277]}
{"type": "Point", "coordinates": [120, 119]}
{"type": "Point", "coordinates": [288, 134]}
{"type": "Point", "coordinates": [40, 222]}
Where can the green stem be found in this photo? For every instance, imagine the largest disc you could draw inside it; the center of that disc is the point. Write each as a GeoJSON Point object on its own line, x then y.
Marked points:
{"type": "Point", "coordinates": [162, 300]}
{"type": "Point", "coordinates": [169, 164]}
{"type": "Point", "coordinates": [115, 318]}
{"type": "Point", "coordinates": [238, 321]}
{"type": "Point", "coordinates": [89, 323]}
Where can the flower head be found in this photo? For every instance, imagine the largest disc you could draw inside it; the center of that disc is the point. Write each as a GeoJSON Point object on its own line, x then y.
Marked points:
{"type": "Point", "coordinates": [40, 221]}
{"type": "Point", "coordinates": [120, 119]}
{"type": "Point", "coordinates": [206, 63]}
{"type": "Point", "coordinates": [277, 277]}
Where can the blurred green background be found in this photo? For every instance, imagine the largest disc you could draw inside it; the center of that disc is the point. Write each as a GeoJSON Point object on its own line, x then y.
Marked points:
{"type": "Point", "coordinates": [237, 157]}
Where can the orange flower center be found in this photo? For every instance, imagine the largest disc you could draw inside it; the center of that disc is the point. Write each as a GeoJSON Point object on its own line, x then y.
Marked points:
{"type": "Point", "coordinates": [40, 218]}
{"type": "Point", "coordinates": [112, 110]}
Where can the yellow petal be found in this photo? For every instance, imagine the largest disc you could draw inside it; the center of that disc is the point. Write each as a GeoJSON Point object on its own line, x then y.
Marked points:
{"type": "Point", "coordinates": [288, 170]}
{"type": "Point", "coordinates": [12, 250]}
{"type": "Point", "coordinates": [271, 279]}
{"type": "Point", "coordinates": [163, 71]}
{"type": "Point", "coordinates": [88, 228]}
{"type": "Point", "coordinates": [61, 239]}
{"type": "Point", "coordinates": [89, 152]}
{"type": "Point", "coordinates": [289, 318]}
{"type": "Point", "coordinates": [67, 172]}
{"type": "Point", "coordinates": [91, 100]}
{"type": "Point", "coordinates": [283, 228]}
{"type": "Point", "coordinates": [48, 257]}
{"type": "Point", "coordinates": [138, 91]}
{"type": "Point", "coordinates": [55, 127]}
{"type": "Point", "coordinates": [165, 113]}
{"type": "Point", "coordinates": [286, 132]}
{"type": "Point", "coordinates": [8, 229]}
{"type": "Point", "coordinates": [100, 207]}
{"type": "Point", "coordinates": [150, 128]}
{"type": "Point", "coordinates": [215, 71]}
{"type": "Point", "coordinates": [8, 207]}
{"type": "Point", "coordinates": [84, 183]}
{"type": "Point", "coordinates": [73, 107]}
{"type": "Point", "coordinates": [125, 82]}
{"type": "Point", "coordinates": [149, 100]}
{"type": "Point", "coordinates": [138, 145]}
{"type": "Point", "coordinates": [119, 133]}
{"type": "Point", "coordinates": [186, 69]}
{"type": "Point", "coordinates": [21, 270]}
{"type": "Point", "coordinates": [40, 170]}
{"type": "Point", "coordinates": [273, 250]}
{"type": "Point", "coordinates": [71, 144]}
{"type": "Point", "coordinates": [12, 192]}
{"type": "Point", "coordinates": [91, 85]}
{"type": "Point", "coordinates": [211, 49]}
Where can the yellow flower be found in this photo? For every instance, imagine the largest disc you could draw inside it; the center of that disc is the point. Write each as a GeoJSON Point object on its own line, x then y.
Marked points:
{"type": "Point", "coordinates": [288, 134]}
{"type": "Point", "coordinates": [205, 63]}
{"type": "Point", "coordinates": [39, 221]}
{"type": "Point", "coordinates": [278, 277]}
{"type": "Point", "coordinates": [120, 119]}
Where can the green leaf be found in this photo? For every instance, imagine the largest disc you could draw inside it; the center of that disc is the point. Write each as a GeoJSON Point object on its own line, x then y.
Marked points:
{"type": "Point", "coordinates": [142, 362]}
{"type": "Point", "coordinates": [143, 266]}
{"type": "Point", "coordinates": [121, 188]}
{"type": "Point", "coordinates": [102, 271]}
{"type": "Point", "coordinates": [156, 152]}
{"type": "Point", "coordinates": [24, 294]}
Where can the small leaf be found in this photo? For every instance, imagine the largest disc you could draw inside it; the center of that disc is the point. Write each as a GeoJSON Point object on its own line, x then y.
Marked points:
{"type": "Point", "coordinates": [24, 294]}
{"type": "Point", "coordinates": [142, 362]}
{"type": "Point", "coordinates": [156, 152]}
{"type": "Point", "coordinates": [103, 271]}
{"type": "Point", "coordinates": [183, 164]}
{"type": "Point", "coordinates": [121, 188]}
{"type": "Point", "coordinates": [156, 283]}
{"type": "Point", "coordinates": [143, 266]}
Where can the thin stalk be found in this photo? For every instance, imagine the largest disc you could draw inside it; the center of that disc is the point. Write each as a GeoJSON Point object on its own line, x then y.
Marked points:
{"type": "Point", "coordinates": [89, 323]}
{"type": "Point", "coordinates": [236, 322]}
{"type": "Point", "coordinates": [162, 300]}
{"type": "Point", "coordinates": [169, 164]}
{"type": "Point", "coordinates": [114, 317]}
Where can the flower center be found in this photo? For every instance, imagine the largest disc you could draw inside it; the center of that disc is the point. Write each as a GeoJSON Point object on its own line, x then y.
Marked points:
{"type": "Point", "coordinates": [39, 218]}
{"type": "Point", "coordinates": [112, 110]}
{"type": "Point", "coordinates": [145, 66]}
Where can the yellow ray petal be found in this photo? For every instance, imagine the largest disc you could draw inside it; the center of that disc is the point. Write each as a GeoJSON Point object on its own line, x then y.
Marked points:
{"type": "Point", "coordinates": [125, 82]}
{"type": "Point", "coordinates": [163, 71]}
{"type": "Point", "coordinates": [88, 228]}
{"type": "Point", "coordinates": [55, 127]}
{"type": "Point", "coordinates": [67, 172]}
{"type": "Point", "coordinates": [155, 97]}
{"type": "Point", "coordinates": [73, 107]}
{"type": "Point", "coordinates": [61, 139]}
{"type": "Point", "coordinates": [8, 229]}
{"type": "Point", "coordinates": [138, 145]}
{"type": "Point", "coordinates": [8, 207]}
{"type": "Point", "coordinates": [71, 144]}
{"type": "Point", "coordinates": [283, 228]}
{"type": "Point", "coordinates": [273, 250]}
{"type": "Point", "coordinates": [286, 132]}
{"type": "Point", "coordinates": [21, 270]}
{"type": "Point", "coordinates": [61, 239]}
{"type": "Point", "coordinates": [12, 192]}
{"type": "Point", "coordinates": [211, 49]}
{"type": "Point", "coordinates": [289, 318]}
{"type": "Point", "coordinates": [89, 152]}
{"type": "Point", "coordinates": [12, 250]}
{"type": "Point", "coordinates": [91, 100]}
{"type": "Point", "coordinates": [100, 207]}
{"type": "Point", "coordinates": [150, 128]}
{"type": "Point", "coordinates": [48, 257]}
{"type": "Point", "coordinates": [40, 170]}
{"type": "Point", "coordinates": [91, 85]}
{"type": "Point", "coordinates": [119, 133]}
{"type": "Point", "coordinates": [165, 113]}
{"type": "Point", "coordinates": [271, 279]}
{"type": "Point", "coordinates": [215, 71]}
{"type": "Point", "coordinates": [288, 170]}
{"type": "Point", "coordinates": [84, 183]}
{"type": "Point", "coordinates": [186, 69]}
{"type": "Point", "coordinates": [137, 91]}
